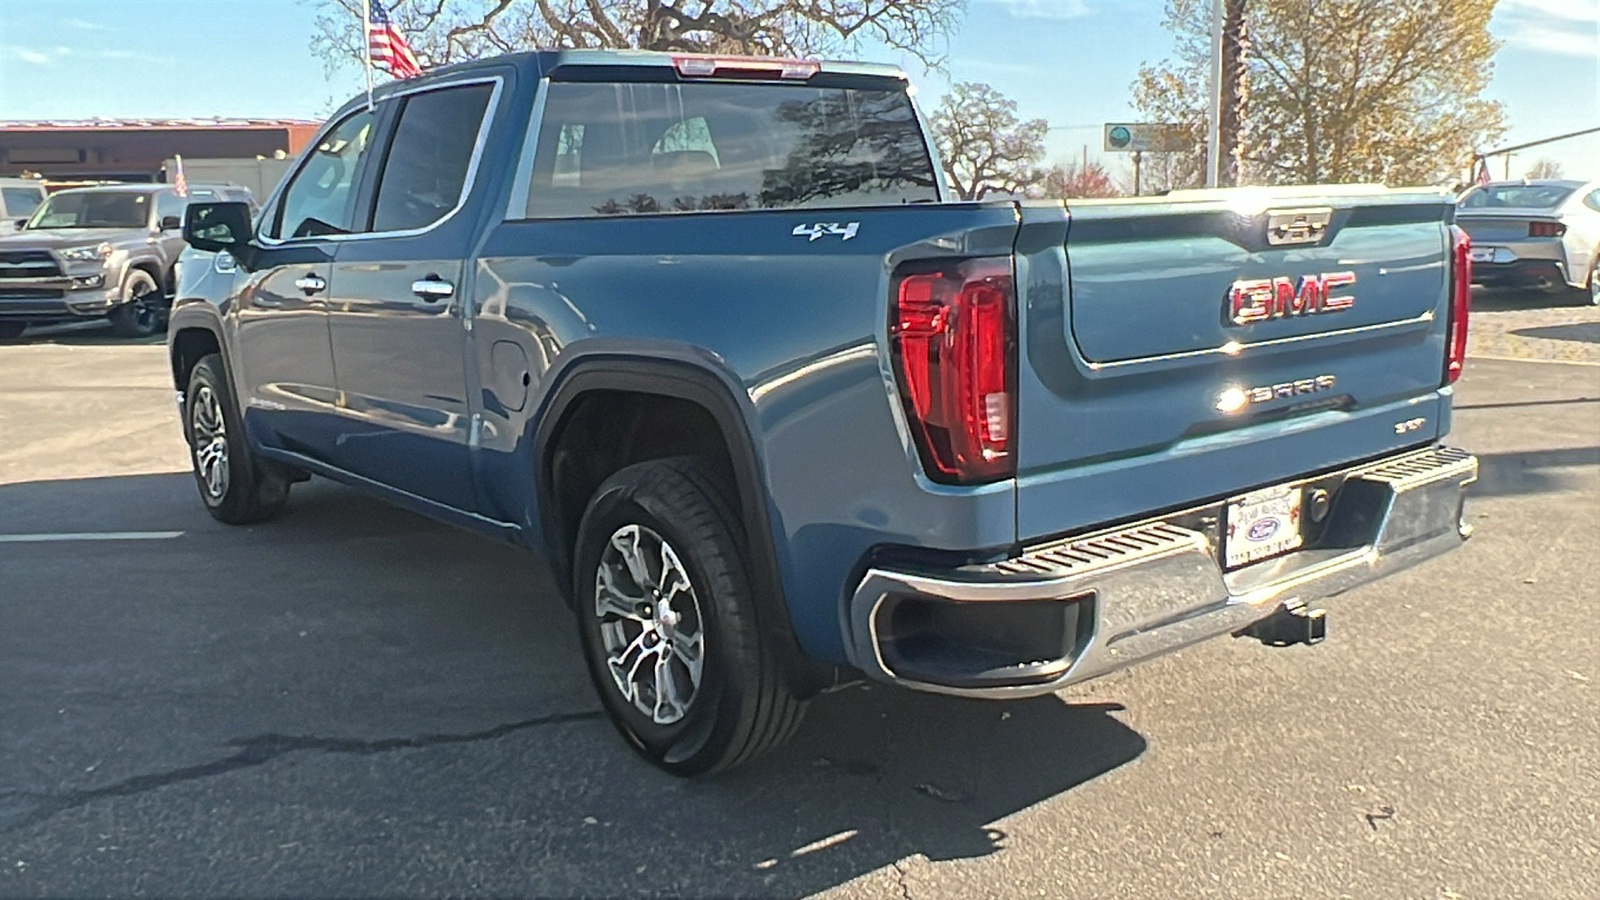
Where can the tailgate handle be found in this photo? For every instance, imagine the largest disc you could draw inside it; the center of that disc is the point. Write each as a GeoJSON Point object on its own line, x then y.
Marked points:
{"type": "Point", "coordinates": [1297, 226]}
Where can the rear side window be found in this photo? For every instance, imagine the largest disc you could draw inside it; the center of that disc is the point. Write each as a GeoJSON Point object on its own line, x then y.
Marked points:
{"type": "Point", "coordinates": [20, 202]}
{"type": "Point", "coordinates": [620, 149]}
{"type": "Point", "coordinates": [426, 171]}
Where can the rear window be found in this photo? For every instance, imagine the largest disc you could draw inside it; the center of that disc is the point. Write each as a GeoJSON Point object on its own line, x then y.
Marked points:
{"type": "Point", "coordinates": [622, 149]}
{"type": "Point", "coordinates": [1523, 196]}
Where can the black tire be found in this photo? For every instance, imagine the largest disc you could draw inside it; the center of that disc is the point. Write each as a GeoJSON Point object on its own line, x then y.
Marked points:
{"type": "Point", "coordinates": [1592, 290]}
{"type": "Point", "coordinates": [10, 331]}
{"type": "Point", "coordinates": [235, 487]}
{"type": "Point", "coordinates": [742, 706]}
{"type": "Point", "coordinates": [140, 313]}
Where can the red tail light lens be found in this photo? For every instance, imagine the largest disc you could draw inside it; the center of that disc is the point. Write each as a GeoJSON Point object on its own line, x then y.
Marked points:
{"type": "Point", "coordinates": [1546, 229]}
{"type": "Point", "coordinates": [953, 337]}
{"type": "Point", "coordinates": [1460, 300]}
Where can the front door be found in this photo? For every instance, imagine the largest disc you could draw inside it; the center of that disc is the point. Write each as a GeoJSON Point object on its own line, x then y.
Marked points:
{"type": "Point", "coordinates": [283, 360]}
{"type": "Point", "coordinates": [399, 337]}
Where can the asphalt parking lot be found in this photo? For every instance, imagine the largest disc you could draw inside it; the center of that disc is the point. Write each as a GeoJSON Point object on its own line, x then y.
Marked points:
{"type": "Point", "coordinates": [354, 701]}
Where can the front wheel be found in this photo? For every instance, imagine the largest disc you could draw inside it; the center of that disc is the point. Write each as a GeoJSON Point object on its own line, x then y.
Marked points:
{"type": "Point", "coordinates": [236, 489]}
{"type": "Point", "coordinates": [140, 313]}
{"type": "Point", "coordinates": [668, 622]}
{"type": "Point", "coordinates": [1594, 282]}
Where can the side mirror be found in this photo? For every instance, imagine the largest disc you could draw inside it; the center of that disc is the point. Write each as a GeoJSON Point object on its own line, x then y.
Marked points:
{"type": "Point", "coordinates": [171, 223]}
{"type": "Point", "coordinates": [220, 228]}
{"type": "Point", "coordinates": [22, 223]}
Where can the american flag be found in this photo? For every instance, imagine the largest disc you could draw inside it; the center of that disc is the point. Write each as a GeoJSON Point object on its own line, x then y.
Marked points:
{"type": "Point", "coordinates": [388, 46]}
{"type": "Point", "coordinates": [180, 184]}
{"type": "Point", "coordinates": [1483, 171]}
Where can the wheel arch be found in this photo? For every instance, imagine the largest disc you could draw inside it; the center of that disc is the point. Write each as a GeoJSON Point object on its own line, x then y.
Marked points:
{"type": "Point", "coordinates": [589, 389]}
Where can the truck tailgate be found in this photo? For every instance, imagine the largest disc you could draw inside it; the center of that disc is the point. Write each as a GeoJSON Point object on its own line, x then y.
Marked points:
{"type": "Point", "coordinates": [1174, 352]}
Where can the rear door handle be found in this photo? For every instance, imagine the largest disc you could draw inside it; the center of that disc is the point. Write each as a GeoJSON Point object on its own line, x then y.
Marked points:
{"type": "Point", "coordinates": [311, 283]}
{"type": "Point", "coordinates": [433, 288]}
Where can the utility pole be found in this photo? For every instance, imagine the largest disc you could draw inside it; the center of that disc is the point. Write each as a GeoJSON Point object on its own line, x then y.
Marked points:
{"type": "Point", "coordinates": [1214, 113]}
{"type": "Point", "coordinates": [1231, 99]}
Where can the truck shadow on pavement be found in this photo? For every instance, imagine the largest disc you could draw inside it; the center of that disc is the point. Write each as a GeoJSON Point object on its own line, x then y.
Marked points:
{"type": "Point", "coordinates": [1532, 471]}
{"type": "Point", "coordinates": [352, 681]}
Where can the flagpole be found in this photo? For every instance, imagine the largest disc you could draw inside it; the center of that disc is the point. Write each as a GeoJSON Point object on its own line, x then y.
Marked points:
{"type": "Point", "coordinates": [366, 46]}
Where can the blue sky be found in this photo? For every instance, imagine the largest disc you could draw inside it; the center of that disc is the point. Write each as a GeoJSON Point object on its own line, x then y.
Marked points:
{"type": "Point", "coordinates": [1067, 61]}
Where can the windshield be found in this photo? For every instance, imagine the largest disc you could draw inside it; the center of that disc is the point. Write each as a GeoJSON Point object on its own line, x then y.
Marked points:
{"type": "Point", "coordinates": [1524, 196]}
{"type": "Point", "coordinates": [94, 209]}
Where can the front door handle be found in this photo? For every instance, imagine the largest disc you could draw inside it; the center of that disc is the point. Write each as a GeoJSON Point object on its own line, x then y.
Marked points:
{"type": "Point", "coordinates": [311, 283]}
{"type": "Point", "coordinates": [433, 288]}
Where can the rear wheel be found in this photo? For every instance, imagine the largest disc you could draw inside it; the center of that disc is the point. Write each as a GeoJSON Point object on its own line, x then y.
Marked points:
{"type": "Point", "coordinates": [1594, 282]}
{"type": "Point", "coordinates": [668, 624]}
{"type": "Point", "coordinates": [12, 330]}
{"type": "Point", "coordinates": [236, 488]}
{"type": "Point", "coordinates": [140, 313]}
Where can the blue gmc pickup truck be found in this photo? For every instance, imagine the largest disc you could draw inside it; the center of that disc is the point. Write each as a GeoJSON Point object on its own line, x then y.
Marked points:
{"type": "Point", "coordinates": [709, 334]}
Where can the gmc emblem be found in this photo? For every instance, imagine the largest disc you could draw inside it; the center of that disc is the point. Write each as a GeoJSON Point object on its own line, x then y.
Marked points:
{"type": "Point", "coordinates": [1260, 299]}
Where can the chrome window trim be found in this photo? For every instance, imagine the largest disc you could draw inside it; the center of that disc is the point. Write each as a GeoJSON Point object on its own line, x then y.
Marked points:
{"type": "Point", "coordinates": [473, 162]}
{"type": "Point", "coordinates": [521, 181]}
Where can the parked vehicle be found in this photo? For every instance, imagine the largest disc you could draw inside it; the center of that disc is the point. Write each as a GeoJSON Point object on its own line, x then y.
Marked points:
{"type": "Point", "coordinates": [1540, 234]}
{"type": "Point", "coordinates": [106, 251]}
{"type": "Point", "coordinates": [709, 334]}
{"type": "Point", "coordinates": [19, 197]}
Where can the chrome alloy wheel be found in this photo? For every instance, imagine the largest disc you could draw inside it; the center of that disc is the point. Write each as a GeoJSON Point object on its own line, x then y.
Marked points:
{"type": "Point", "coordinates": [650, 623]}
{"type": "Point", "coordinates": [210, 435]}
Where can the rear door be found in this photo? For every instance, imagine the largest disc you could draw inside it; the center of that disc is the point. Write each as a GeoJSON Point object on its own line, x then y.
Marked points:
{"type": "Point", "coordinates": [1188, 348]}
{"type": "Point", "coordinates": [399, 341]}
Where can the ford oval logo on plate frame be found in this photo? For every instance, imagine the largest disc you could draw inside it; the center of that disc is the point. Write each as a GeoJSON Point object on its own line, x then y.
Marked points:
{"type": "Point", "coordinates": [1262, 524]}
{"type": "Point", "coordinates": [1263, 529]}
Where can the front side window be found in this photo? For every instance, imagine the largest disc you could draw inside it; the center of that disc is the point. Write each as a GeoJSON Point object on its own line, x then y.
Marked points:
{"type": "Point", "coordinates": [426, 170]}
{"type": "Point", "coordinates": [618, 149]}
{"type": "Point", "coordinates": [169, 204]}
{"type": "Point", "coordinates": [1593, 200]}
{"type": "Point", "coordinates": [21, 202]}
{"type": "Point", "coordinates": [321, 198]}
{"type": "Point", "coordinates": [94, 209]}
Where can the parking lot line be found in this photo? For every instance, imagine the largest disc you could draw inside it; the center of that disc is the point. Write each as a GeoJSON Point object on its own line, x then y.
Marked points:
{"type": "Point", "coordinates": [89, 536]}
{"type": "Point", "coordinates": [1553, 362]}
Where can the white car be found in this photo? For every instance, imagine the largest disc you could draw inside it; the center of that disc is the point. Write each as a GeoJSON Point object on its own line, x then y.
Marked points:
{"type": "Point", "coordinates": [1543, 234]}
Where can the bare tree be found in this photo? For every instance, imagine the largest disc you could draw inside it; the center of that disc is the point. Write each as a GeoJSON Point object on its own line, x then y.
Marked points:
{"type": "Point", "coordinates": [446, 31]}
{"type": "Point", "coordinates": [984, 146]}
{"type": "Point", "coordinates": [1545, 167]}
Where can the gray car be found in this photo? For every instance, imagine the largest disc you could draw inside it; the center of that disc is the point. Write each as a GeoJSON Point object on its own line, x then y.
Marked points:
{"type": "Point", "coordinates": [1541, 234]}
{"type": "Point", "coordinates": [99, 252]}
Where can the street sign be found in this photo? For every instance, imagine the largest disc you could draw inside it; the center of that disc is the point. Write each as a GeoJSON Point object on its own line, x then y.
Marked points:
{"type": "Point", "coordinates": [1145, 137]}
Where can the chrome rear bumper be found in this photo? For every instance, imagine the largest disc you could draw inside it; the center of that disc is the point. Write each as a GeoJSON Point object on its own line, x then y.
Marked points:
{"type": "Point", "coordinates": [1129, 594]}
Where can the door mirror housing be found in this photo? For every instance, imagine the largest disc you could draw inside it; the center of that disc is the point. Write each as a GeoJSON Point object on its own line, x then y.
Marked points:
{"type": "Point", "coordinates": [222, 227]}
{"type": "Point", "coordinates": [171, 223]}
{"type": "Point", "coordinates": [22, 223]}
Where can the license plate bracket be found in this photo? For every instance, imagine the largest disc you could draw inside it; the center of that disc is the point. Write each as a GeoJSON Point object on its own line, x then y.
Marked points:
{"type": "Point", "coordinates": [1263, 524]}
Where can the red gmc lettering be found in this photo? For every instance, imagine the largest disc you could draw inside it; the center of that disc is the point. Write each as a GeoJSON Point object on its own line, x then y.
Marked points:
{"type": "Point", "coordinates": [1260, 299]}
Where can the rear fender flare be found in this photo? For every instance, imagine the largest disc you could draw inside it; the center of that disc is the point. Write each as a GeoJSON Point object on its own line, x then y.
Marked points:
{"type": "Point", "coordinates": [685, 374]}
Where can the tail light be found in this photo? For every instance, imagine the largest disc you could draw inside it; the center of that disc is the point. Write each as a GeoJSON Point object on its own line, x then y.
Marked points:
{"type": "Point", "coordinates": [1460, 300]}
{"type": "Point", "coordinates": [1546, 229]}
{"type": "Point", "coordinates": [953, 338]}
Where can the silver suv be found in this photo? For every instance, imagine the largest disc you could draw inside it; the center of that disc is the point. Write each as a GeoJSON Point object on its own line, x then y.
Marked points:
{"type": "Point", "coordinates": [107, 251]}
